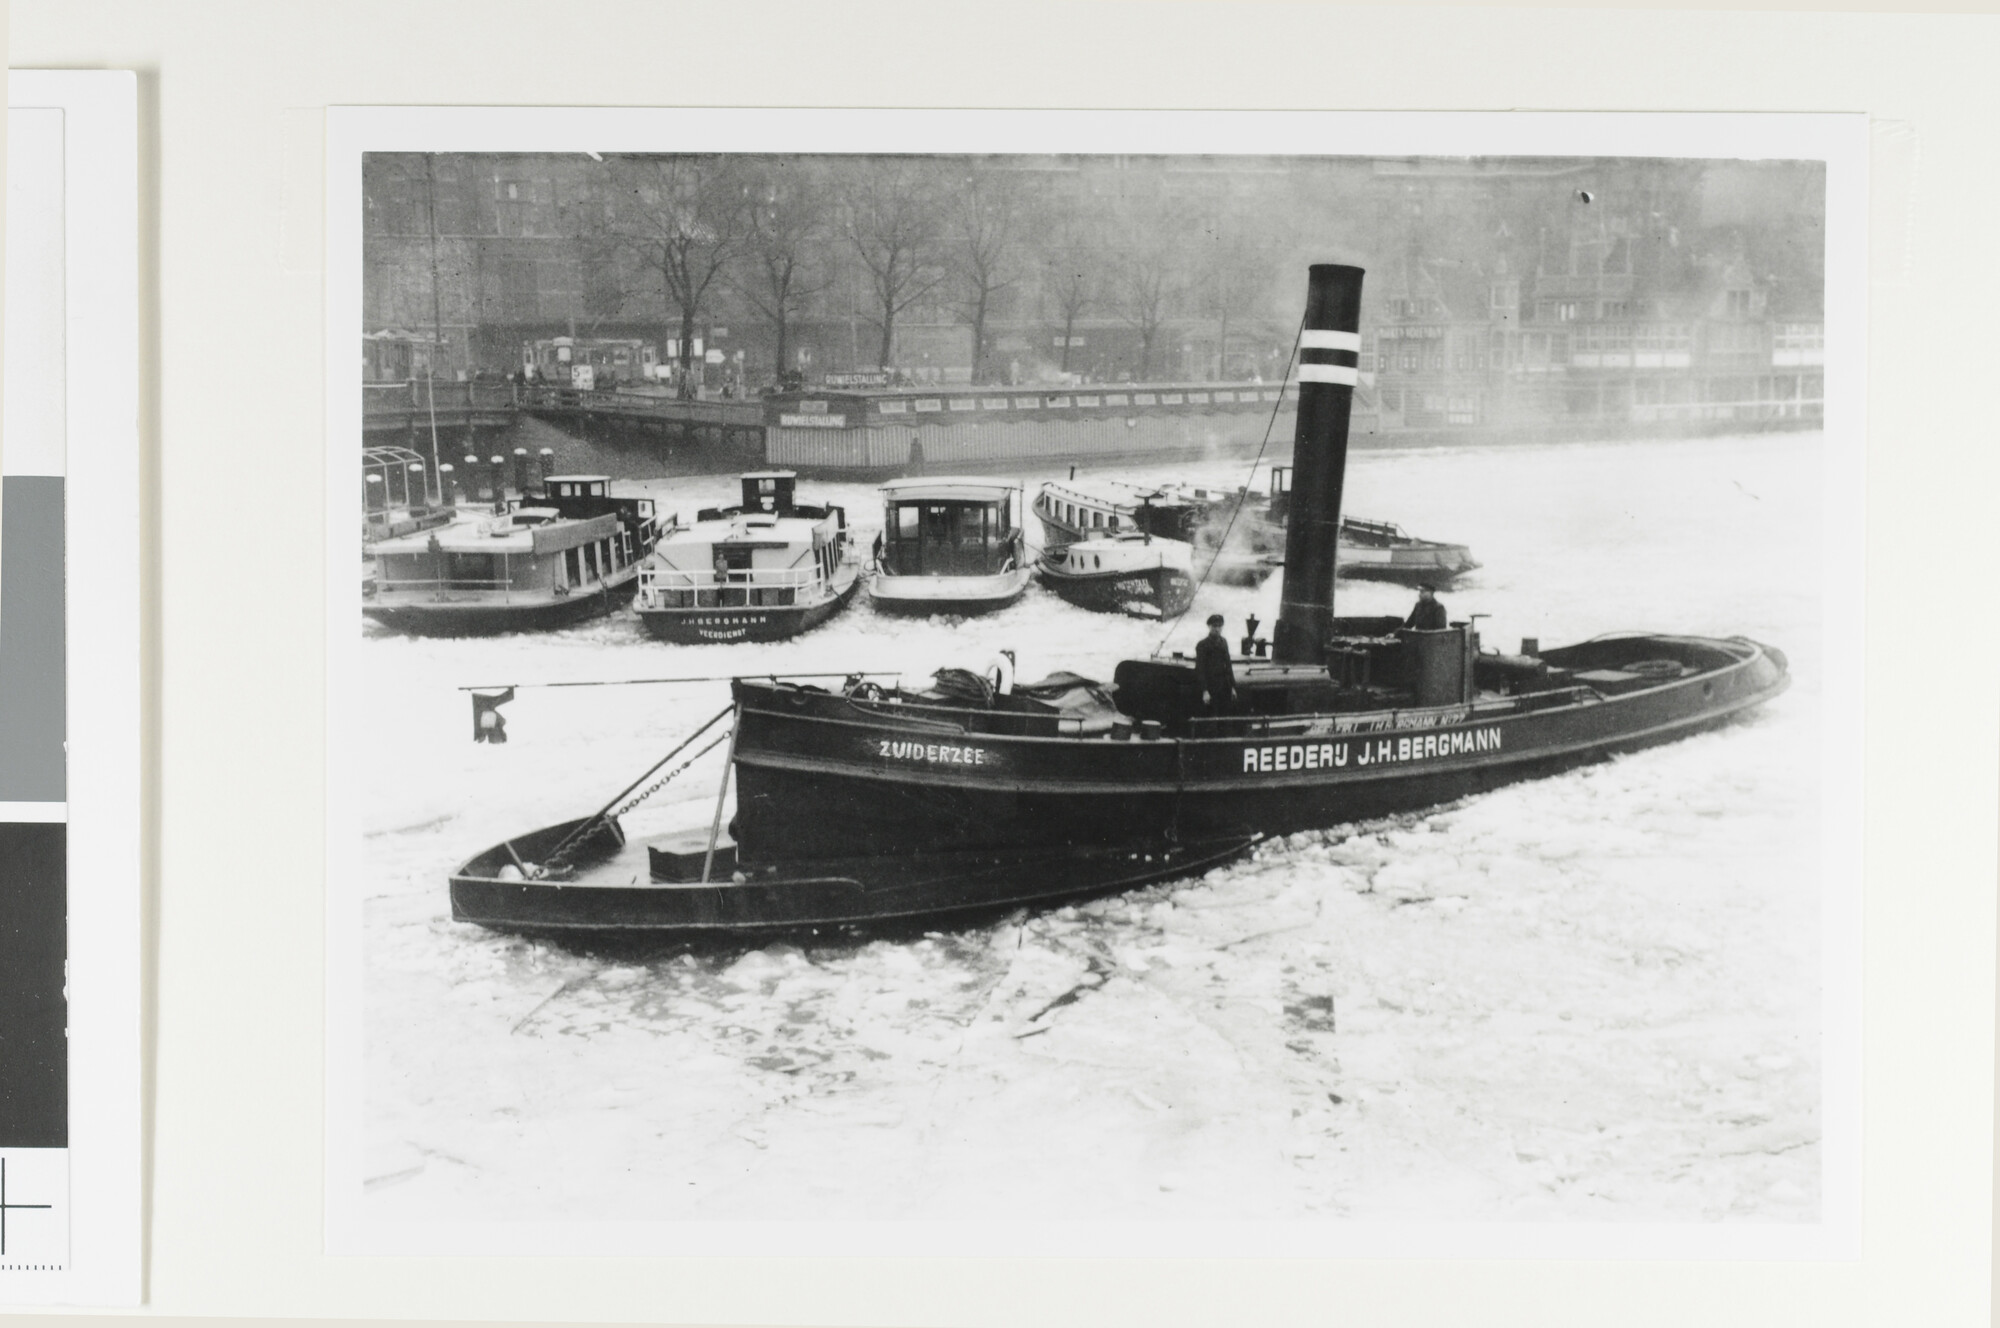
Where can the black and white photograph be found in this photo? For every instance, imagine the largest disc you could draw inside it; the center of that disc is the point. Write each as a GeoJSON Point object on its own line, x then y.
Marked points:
{"type": "Point", "coordinates": [1256, 681]}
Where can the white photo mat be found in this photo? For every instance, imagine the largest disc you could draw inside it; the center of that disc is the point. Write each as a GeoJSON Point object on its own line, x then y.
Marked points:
{"type": "Point", "coordinates": [1840, 141]}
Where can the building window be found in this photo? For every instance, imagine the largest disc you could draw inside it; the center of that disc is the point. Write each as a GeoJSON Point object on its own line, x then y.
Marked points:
{"type": "Point", "coordinates": [1739, 304]}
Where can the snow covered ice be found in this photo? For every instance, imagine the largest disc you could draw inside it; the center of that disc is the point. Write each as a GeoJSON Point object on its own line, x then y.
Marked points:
{"type": "Point", "coordinates": [1592, 997]}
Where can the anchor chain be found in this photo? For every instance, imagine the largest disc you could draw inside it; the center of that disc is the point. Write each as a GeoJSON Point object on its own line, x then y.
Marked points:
{"type": "Point", "coordinates": [578, 837]}
{"type": "Point", "coordinates": [559, 856]}
{"type": "Point", "coordinates": [663, 780]}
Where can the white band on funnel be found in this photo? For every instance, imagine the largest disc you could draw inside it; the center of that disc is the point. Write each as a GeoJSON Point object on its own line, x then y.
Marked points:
{"type": "Point", "coordinates": [1342, 374]}
{"type": "Point", "coordinates": [1319, 339]}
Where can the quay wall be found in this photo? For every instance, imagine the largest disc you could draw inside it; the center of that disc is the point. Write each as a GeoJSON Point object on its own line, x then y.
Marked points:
{"type": "Point", "coordinates": [876, 434]}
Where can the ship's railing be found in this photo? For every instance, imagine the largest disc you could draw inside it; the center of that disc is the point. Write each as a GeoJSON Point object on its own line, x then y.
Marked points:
{"type": "Point", "coordinates": [675, 588]}
{"type": "Point", "coordinates": [438, 584]}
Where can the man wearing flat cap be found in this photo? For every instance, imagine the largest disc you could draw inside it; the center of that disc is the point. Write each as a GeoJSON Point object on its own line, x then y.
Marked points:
{"type": "Point", "coordinates": [1212, 667]}
{"type": "Point", "coordinates": [1429, 615]}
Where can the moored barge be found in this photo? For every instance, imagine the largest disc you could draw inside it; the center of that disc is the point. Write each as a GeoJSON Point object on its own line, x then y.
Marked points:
{"type": "Point", "coordinates": [769, 568]}
{"type": "Point", "coordinates": [950, 544]}
{"type": "Point", "coordinates": [540, 562]}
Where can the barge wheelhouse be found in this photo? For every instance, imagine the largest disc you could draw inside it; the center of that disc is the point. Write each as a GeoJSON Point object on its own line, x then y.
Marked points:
{"type": "Point", "coordinates": [768, 568]}
{"type": "Point", "coordinates": [950, 544]}
{"type": "Point", "coordinates": [539, 562]}
{"type": "Point", "coordinates": [860, 807]}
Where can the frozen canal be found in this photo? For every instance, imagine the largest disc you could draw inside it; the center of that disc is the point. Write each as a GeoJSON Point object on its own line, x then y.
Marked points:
{"type": "Point", "coordinates": [1594, 997]}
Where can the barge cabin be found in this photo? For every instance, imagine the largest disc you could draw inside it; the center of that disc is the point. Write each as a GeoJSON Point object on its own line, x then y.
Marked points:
{"type": "Point", "coordinates": [769, 568]}
{"type": "Point", "coordinates": [541, 562]}
{"type": "Point", "coordinates": [950, 544]}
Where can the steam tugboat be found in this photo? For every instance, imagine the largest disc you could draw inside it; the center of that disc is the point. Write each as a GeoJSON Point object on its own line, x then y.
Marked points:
{"type": "Point", "coordinates": [540, 562]}
{"type": "Point", "coordinates": [767, 569]}
{"type": "Point", "coordinates": [862, 807]}
{"type": "Point", "coordinates": [952, 544]}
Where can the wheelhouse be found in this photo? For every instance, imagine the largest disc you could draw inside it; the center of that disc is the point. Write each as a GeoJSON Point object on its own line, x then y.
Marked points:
{"type": "Point", "coordinates": [951, 528]}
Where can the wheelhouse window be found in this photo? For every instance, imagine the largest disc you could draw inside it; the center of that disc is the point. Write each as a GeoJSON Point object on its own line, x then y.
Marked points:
{"type": "Point", "coordinates": [935, 537]}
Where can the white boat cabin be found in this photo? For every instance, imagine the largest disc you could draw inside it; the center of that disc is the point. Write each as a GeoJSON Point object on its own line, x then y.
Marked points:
{"type": "Point", "coordinates": [771, 551]}
{"type": "Point", "coordinates": [1097, 508]}
{"type": "Point", "coordinates": [569, 540]}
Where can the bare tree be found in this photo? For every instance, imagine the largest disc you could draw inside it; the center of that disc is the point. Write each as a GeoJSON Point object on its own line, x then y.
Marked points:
{"type": "Point", "coordinates": [586, 216]}
{"type": "Point", "coordinates": [1072, 269]}
{"type": "Point", "coordinates": [984, 230]}
{"type": "Point", "coordinates": [1146, 286]}
{"type": "Point", "coordinates": [782, 265]}
{"type": "Point", "coordinates": [893, 221]}
{"type": "Point", "coordinates": [1232, 281]}
{"type": "Point", "coordinates": [686, 218]}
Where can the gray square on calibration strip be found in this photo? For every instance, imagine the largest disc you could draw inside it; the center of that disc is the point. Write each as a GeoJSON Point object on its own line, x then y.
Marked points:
{"type": "Point", "coordinates": [32, 692]}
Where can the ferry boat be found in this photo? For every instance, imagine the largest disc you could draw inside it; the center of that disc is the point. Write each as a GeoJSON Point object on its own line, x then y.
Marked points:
{"type": "Point", "coordinates": [540, 562]}
{"type": "Point", "coordinates": [950, 544]}
{"type": "Point", "coordinates": [764, 570]}
{"type": "Point", "coordinates": [861, 808]}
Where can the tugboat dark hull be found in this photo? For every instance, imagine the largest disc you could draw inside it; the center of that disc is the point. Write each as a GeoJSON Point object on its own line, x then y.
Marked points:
{"type": "Point", "coordinates": [693, 627]}
{"type": "Point", "coordinates": [484, 618]}
{"type": "Point", "coordinates": [1157, 592]}
{"type": "Point", "coordinates": [849, 779]}
{"type": "Point", "coordinates": [798, 898]}
{"type": "Point", "coordinates": [849, 817]}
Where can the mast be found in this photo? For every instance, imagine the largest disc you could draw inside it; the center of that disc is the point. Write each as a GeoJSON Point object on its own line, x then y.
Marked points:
{"type": "Point", "coordinates": [1329, 360]}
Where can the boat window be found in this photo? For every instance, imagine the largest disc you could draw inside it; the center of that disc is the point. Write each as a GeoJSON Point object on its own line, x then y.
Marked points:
{"type": "Point", "coordinates": [907, 516]}
{"type": "Point", "coordinates": [471, 569]}
{"type": "Point", "coordinates": [1114, 521]}
{"type": "Point", "coordinates": [1097, 520]}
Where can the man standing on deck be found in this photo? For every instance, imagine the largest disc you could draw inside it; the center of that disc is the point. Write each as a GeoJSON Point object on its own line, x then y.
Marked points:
{"type": "Point", "coordinates": [1429, 615]}
{"type": "Point", "coordinates": [1212, 667]}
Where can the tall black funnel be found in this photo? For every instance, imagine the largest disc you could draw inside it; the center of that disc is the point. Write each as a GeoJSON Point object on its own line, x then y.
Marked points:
{"type": "Point", "coordinates": [1329, 361]}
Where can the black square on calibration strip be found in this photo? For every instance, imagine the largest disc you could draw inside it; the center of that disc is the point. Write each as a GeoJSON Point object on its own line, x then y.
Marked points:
{"type": "Point", "coordinates": [34, 1017]}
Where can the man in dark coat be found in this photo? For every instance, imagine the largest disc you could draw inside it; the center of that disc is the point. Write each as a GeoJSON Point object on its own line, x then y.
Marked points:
{"type": "Point", "coordinates": [1212, 667]}
{"type": "Point", "coordinates": [1429, 615]}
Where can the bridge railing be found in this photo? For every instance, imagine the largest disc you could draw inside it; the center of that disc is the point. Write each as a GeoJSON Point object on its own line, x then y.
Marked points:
{"type": "Point", "coordinates": [451, 396]}
{"type": "Point", "coordinates": [643, 405]}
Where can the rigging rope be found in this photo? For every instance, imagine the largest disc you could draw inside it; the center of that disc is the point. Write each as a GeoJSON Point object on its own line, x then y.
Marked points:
{"type": "Point", "coordinates": [1237, 511]}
